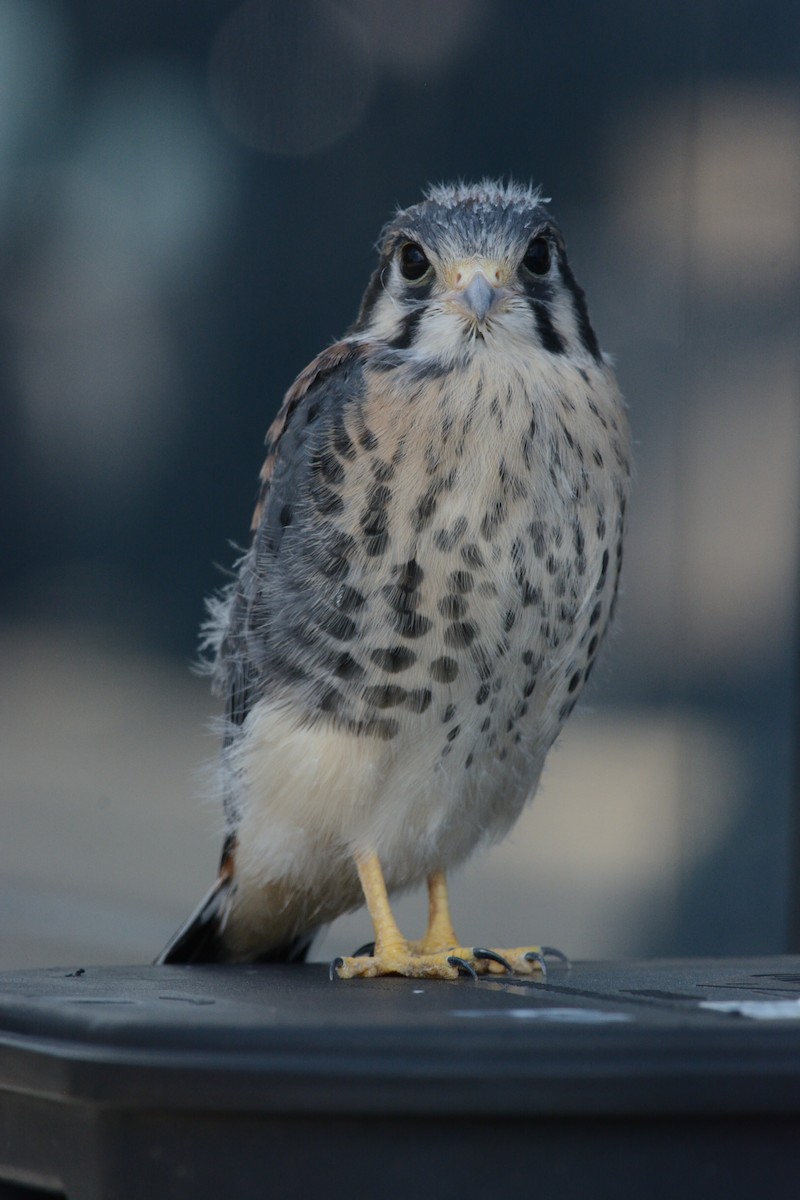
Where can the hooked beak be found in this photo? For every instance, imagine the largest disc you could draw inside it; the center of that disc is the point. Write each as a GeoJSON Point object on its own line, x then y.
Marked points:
{"type": "Point", "coordinates": [478, 296]}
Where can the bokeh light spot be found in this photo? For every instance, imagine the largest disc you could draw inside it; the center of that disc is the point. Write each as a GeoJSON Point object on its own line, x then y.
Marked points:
{"type": "Point", "coordinates": [290, 79]}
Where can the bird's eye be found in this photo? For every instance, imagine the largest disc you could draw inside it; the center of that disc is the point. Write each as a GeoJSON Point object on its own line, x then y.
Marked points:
{"type": "Point", "coordinates": [537, 256]}
{"type": "Point", "coordinates": [413, 261]}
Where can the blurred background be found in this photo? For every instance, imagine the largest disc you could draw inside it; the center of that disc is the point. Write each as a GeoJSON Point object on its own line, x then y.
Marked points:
{"type": "Point", "coordinates": [190, 191]}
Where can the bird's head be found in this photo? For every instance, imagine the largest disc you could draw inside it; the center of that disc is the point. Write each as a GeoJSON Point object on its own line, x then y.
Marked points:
{"type": "Point", "coordinates": [475, 269]}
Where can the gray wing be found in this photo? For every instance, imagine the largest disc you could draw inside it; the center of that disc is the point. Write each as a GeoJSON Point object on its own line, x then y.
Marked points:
{"type": "Point", "coordinates": [273, 629]}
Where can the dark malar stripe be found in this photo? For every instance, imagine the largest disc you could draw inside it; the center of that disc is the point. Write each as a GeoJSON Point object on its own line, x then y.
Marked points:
{"type": "Point", "coordinates": [585, 332]}
{"type": "Point", "coordinates": [408, 327]}
{"type": "Point", "coordinates": [550, 337]}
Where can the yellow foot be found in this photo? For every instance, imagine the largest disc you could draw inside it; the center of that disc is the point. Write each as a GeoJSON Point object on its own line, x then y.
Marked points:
{"type": "Point", "coordinates": [446, 963]}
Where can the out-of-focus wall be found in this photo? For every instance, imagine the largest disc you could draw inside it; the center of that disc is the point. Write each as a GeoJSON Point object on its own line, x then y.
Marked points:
{"type": "Point", "coordinates": [189, 195]}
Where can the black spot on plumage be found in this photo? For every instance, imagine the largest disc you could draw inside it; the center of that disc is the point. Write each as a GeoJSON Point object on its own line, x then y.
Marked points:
{"type": "Point", "coordinates": [425, 508]}
{"type": "Point", "coordinates": [326, 500]}
{"type": "Point", "coordinates": [347, 599]}
{"type": "Point", "coordinates": [446, 539]}
{"type": "Point", "coordinates": [394, 659]}
{"type": "Point", "coordinates": [375, 543]}
{"type": "Point", "coordinates": [374, 518]}
{"type": "Point", "coordinates": [596, 411]}
{"type": "Point", "coordinates": [460, 634]}
{"type": "Point", "coordinates": [452, 607]}
{"type": "Point", "coordinates": [409, 575]}
{"type": "Point", "coordinates": [382, 472]}
{"type": "Point", "coordinates": [418, 699]}
{"type": "Point", "coordinates": [482, 694]}
{"type": "Point", "coordinates": [453, 733]}
{"type": "Point", "coordinates": [472, 555]}
{"type": "Point", "coordinates": [530, 594]}
{"type": "Point", "coordinates": [603, 572]}
{"type": "Point", "coordinates": [537, 532]}
{"type": "Point", "coordinates": [330, 700]}
{"type": "Point", "coordinates": [486, 725]}
{"type": "Point", "coordinates": [337, 626]}
{"type": "Point", "coordinates": [399, 599]}
{"type": "Point", "coordinates": [366, 438]}
{"type": "Point", "coordinates": [387, 695]}
{"type": "Point", "coordinates": [449, 713]}
{"type": "Point", "coordinates": [411, 625]}
{"type": "Point", "coordinates": [328, 466]}
{"type": "Point", "coordinates": [574, 681]}
{"type": "Point", "coordinates": [341, 440]}
{"type": "Point", "coordinates": [346, 667]}
{"type": "Point", "coordinates": [285, 515]}
{"type": "Point", "coordinates": [444, 670]}
{"type": "Point", "coordinates": [334, 553]}
{"type": "Point", "coordinates": [529, 687]}
{"type": "Point", "coordinates": [384, 728]}
{"type": "Point", "coordinates": [493, 519]}
{"type": "Point", "coordinates": [401, 595]}
{"type": "Point", "coordinates": [596, 611]}
{"type": "Point", "coordinates": [461, 581]}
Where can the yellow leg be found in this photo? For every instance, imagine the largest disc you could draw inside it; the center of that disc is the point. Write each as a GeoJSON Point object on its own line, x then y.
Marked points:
{"type": "Point", "coordinates": [435, 956]}
{"type": "Point", "coordinates": [440, 934]}
{"type": "Point", "coordinates": [388, 938]}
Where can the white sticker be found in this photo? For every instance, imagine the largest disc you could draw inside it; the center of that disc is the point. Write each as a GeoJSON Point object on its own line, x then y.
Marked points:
{"type": "Point", "coordinates": [760, 1010]}
{"type": "Point", "coordinates": [567, 1016]}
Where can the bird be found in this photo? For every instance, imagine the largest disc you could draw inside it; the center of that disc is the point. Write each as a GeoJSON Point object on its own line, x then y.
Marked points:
{"type": "Point", "coordinates": [435, 560]}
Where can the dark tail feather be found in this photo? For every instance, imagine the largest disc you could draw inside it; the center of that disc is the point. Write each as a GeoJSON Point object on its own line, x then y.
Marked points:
{"type": "Point", "coordinates": [200, 939]}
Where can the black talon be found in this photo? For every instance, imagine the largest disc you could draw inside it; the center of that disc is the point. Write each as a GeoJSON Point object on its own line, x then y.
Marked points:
{"type": "Point", "coordinates": [533, 956]}
{"type": "Point", "coordinates": [333, 969]}
{"type": "Point", "coordinates": [463, 965]}
{"type": "Point", "coordinates": [367, 949]}
{"type": "Point", "coordinates": [552, 952]}
{"type": "Point", "coordinates": [493, 956]}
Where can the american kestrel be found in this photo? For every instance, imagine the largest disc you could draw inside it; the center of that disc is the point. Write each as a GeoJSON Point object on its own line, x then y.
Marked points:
{"type": "Point", "coordinates": [435, 558]}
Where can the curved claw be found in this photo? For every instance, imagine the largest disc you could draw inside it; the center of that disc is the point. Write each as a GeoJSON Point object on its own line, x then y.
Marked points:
{"type": "Point", "coordinates": [333, 969]}
{"type": "Point", "coordinates": [367, 949]}
{"type": "Point", "coordinates": [463, 965]}
{"type": "Point", "coordinates": [533, 956]}
{"type": "Point", "coordinates": [552, 952]}
{"type": "Point", "coordinates": [493, 956]}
